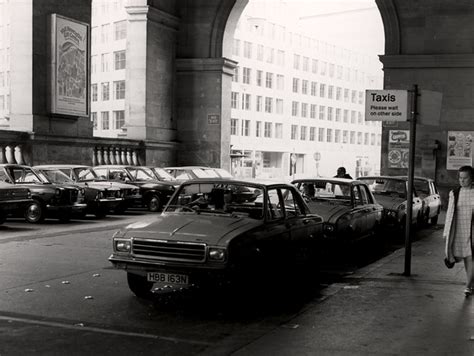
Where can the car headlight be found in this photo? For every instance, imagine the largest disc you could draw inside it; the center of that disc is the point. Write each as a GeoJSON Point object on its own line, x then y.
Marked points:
{"type": "Point", "coordinates": [328, 228]}
{"type": "Point", "coordinates": [217, 254]}
{"type": "Point", "coordinates": [83, 191]}
{"type": "Point", "coordinates": [122, 245]}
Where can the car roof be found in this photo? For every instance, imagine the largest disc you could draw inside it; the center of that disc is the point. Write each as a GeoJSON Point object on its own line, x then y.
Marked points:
{"type": "Point", "coordinates": [418, 178]}
{"type": "Point", "coordinates": [399, 178]}
{"type": "Point", "coordinates": [329, 179]}
{"type": "Point", "coordinates": [42, 166]}
{"type": "Point", "coordinates": [259, 182]}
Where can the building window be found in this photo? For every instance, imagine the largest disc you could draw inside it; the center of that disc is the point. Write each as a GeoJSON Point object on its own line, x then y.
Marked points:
{"type": "Point", "coordinates": [269, 80]}
{"type": "Point", "coordinates": [278, 130]}
{"type": "Point", "coordinates": [303, 132]}
{"type": "Point", "coordinates": [322, 90]}
{"type": "Point", "coordinates": [294, 132]}
{"type": "Point", "coordinates": [280, 58]}
{"type": "Point", "coordinates": [296, 84]}
{"type": "Point", "coordinates": [305, 64]}
{"type": "Point", "coordinates": [352, 137]}
{"type": "Point", "coordinates": [245, 128]}
{"type": "Point", "coordinates": [346, 116]}
{"type": "Point", "coordinates": [234, 100]}
{"type": "Point", "coordinates": [337, 136]}
{"type": "Point", "coordinates": [259, 77]}
{"type": "Point", "coordinates": [259, 103]}
{"type": "Point", "coordinates": [258, 129]}
{"type": "Point", "coordinates": [296, 61]}
{"type": "Point", "coordinates": [270, 55]}
{"type": "Point", "coordinates": [279, 106]}
{"type": "Point", "coordinates": [260, 52]}
{"type": "Point", "coordinates": [119, 118]}
{"type": "Point", "coordinates": [304, 87]}
{"type": "Point", "coordinates": [119, 89]}
{"type": "Point", "coordinates": [338, 93]}
{"type": "Point", "coordinates": [105, 91]}
{"type": "Point", "coordinates": [353, 96]}
{"type": "Point", "coordinates": [372, 139]}
{"type": "Point", "coordinates": [235, 77]}
{"type": "Point", "coordinates": [304, 110]}
{"type": "Point", "coordinates": [104, 62]}
{"type": "Point", "coordinates": [312, 111]}
{"type": "Point", "coordinates": [314, 65]}
{"type": "Point", "coordinates": [104, 116]}
{"type": "Point", "coordinates": [322, 112]}
{"type": "Point", "coordinates": [338, 115]}
{"type": "Point", "coordinates": [94, 120]}
{"type": "Point", "coordinates": [294, 108]}
{"type": "Point", "coordinates": [330, 113]}
{"type": "Point", "coordinates": [280, 82]}
{"type": "Point", "coordinates": [94, 92]}
{"type": "Point", "coordinates": [314, 88]}
{"type": "Point", "coordinates": [366, 138]}
{"type": "Point", "coordinates": [312, 133]}
{"type": "Point", "coordinates": [359, 117]}
{"type": "Point", "coordinates": [346, 94]}
{"type": "Point", "coordinates": [331, 70]}
{"type": "Point", "coordinates": [330, 92]}
{"type": "Point", "coordinates": [268, 105]}
{"type": "Point", "coordinates": [268, 129]}
{"type": "Point", "coordinates": [329, 135]}
{"type": "Point", "coordinates": [234, 126]}
{"type": "Point", "coordinates": [345, 136]}
{"type": "Point", "coordinates": [247, 49]}
{"type": "Point", "coordinates": [236, 48]}
{"type": "Point", "coordinates": [120, 30]}
{"type": "Point", "coordinates": [359, 138]}
{"type": "Point", "coordinates": [323, 67]}
{"type": "Point", "coordinates": [245, 101]}
{"type": "Point", "coordinates": [353, 117]}
{"type": "Point", "coordinates": [246, 75]}
{"type": "Point", "coordinates": [120, 60]}
{"type": "Point", "coordinates": [321, 134]}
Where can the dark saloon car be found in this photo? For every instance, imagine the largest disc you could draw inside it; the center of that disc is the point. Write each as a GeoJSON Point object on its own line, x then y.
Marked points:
{"type": "Point", "coordinates": [392, 193]}
{"type": "Point", "coordinates": [81, 174]}
{"type": "Point", "coordinates": [99, 197]}
{"type": "Point", "coordinates": [12, 200]}
{"type": "Point", "coordinates": [155, 194]}
{"type": "Point", "coordinates": [347, 206]}
{"type": "Point", "coordinates": [48, 199]}
{"type": "Point", "coordinates": [215, 230]}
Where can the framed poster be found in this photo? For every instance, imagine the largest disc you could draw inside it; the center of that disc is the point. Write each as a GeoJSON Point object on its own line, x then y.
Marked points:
{"type": "Point", "coordinates": [69, 66]}
{"type": "Point", "coordinates": [459, 149]}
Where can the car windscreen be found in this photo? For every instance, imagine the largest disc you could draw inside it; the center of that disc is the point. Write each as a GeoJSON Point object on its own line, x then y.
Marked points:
{"type": "Point", "coordinates": [325, 190]}
{"type": "Point", "coordinates": [85, 174]}
{"type": "Point", "coordinates": [55, 176]}
{"type": "Point", "coordinates": [141, 173]}
{"type": "Point", "coordinates": [386, 186]}
{"type": "Point", "coordinates": [201, 173]}
{"type": "Point", "coordinates": [218, 198]}
{"type": "Point", "coordinates": [162, 174]}
{"type": "Point", "coordinates": [223, 173]}
{"type": "Point", "coordinates": [26, 175]}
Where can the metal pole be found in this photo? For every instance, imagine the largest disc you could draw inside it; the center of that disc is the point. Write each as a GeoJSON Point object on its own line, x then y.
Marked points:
{"type": "Point", "coordinates": [411, 174]}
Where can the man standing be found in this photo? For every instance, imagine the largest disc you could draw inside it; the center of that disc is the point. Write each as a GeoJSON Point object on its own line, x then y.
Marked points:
{"type": "Point", "coordinates": [341, 173]}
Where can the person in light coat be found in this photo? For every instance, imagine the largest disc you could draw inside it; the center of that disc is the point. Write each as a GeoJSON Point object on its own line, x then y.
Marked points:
{"type": "Point", "coordinates": [458, 226]}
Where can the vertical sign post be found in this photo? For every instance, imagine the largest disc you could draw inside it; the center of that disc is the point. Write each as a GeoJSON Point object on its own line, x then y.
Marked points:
{"type": "Point", "coordinates": [411, 174]}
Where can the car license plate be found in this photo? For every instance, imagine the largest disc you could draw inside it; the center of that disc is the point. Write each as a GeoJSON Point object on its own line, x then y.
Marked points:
{"type": "Point", "coordinates": [172, 278]}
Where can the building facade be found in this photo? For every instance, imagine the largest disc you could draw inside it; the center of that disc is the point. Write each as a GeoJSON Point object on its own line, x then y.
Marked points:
{"type": "Point", "coordinates": [5, 39]}
{"type": "Point", "coordinates": [298, 105]}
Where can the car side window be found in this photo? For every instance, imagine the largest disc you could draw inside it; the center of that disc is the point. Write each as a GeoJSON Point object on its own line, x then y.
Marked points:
{"type": "Point", "coordinates": [4, 177]}
{"type": "Point", "coordinates": [275, 208]}
{"type": "Point", "coordinates": [291, 205]}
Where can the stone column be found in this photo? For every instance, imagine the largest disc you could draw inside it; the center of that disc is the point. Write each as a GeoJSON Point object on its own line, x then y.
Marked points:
{"type": "Point", "coordinates": [150, 73]}
{"type": "Point", "coordinates": [203, 102]}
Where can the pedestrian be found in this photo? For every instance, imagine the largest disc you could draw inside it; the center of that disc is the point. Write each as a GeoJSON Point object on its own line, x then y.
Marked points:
{"type": "Point", "coordinates": [458, 225]}
{"type": "Point", "coordinates": [341, 173]}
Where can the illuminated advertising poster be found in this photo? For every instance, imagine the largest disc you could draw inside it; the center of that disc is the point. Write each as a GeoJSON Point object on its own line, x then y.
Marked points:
{"type": "Point", "coordinates": [398, 148]}
{"type": "Point", "coordinates": [69, 73]}
{"type": "Point", "coordinates": [459, 149]}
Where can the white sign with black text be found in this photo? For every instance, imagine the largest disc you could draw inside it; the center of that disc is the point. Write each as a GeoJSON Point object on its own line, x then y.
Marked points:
{"type": "Point", "coordinates": [386, 105]}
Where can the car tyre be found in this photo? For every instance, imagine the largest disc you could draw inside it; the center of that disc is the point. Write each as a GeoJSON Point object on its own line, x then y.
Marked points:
{"type": "Point", "coordinates": [154, 204]}
{"type": "Point", "coordinates": [35, 212]}
{"type": "Point", "coordinates": [139, 285]}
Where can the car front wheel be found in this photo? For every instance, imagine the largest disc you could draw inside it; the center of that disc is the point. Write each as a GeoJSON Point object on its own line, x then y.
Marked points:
{"type": "Point", "coordinates": [35, 212]}
{"type": "Point", "coordinates": [139, 285]}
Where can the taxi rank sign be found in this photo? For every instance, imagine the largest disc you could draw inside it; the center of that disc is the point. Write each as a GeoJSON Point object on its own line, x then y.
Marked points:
{"type": "Point", "coordinates": [386, 105]}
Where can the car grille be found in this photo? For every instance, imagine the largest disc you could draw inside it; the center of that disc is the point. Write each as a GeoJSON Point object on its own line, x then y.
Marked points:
{"type": "Point", "coordinates": [68, 196]}
{"type": "Point", "coordinates": [111, 194]}
{"type": "Point", "coordinates": [169, 250]}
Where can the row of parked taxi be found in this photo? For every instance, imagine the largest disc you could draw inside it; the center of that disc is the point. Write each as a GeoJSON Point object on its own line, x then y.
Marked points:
{"type": "Point", "coordinates": [64, 191]}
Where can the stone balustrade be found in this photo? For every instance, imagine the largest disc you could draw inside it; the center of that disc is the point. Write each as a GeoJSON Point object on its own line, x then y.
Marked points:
{"type": "Point", "coordinates": [115, 155]}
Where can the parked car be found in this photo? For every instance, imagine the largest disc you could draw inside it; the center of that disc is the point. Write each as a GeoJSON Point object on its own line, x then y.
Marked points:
{"type": "Point", "coordinates": [48, 199]}
{"type": "Point", "coordinates": [349, 209]}
{"type": "Point", "coordinates": [82, 174]}
{"type": "Point", "coordinates": [182, 174]}
{"type": "Point", "coordinates": [100, 198]}
{"type": "Point", "coordinates": [13, 199]}
{"type": "Point", "coordinates": [217, 229]}
{"type": "Point", "coordinates": [428, 192]}
{"type": "Point", "coordinates": [391, 192]}
{"type": "Point", "coordinates": [155, 194]}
